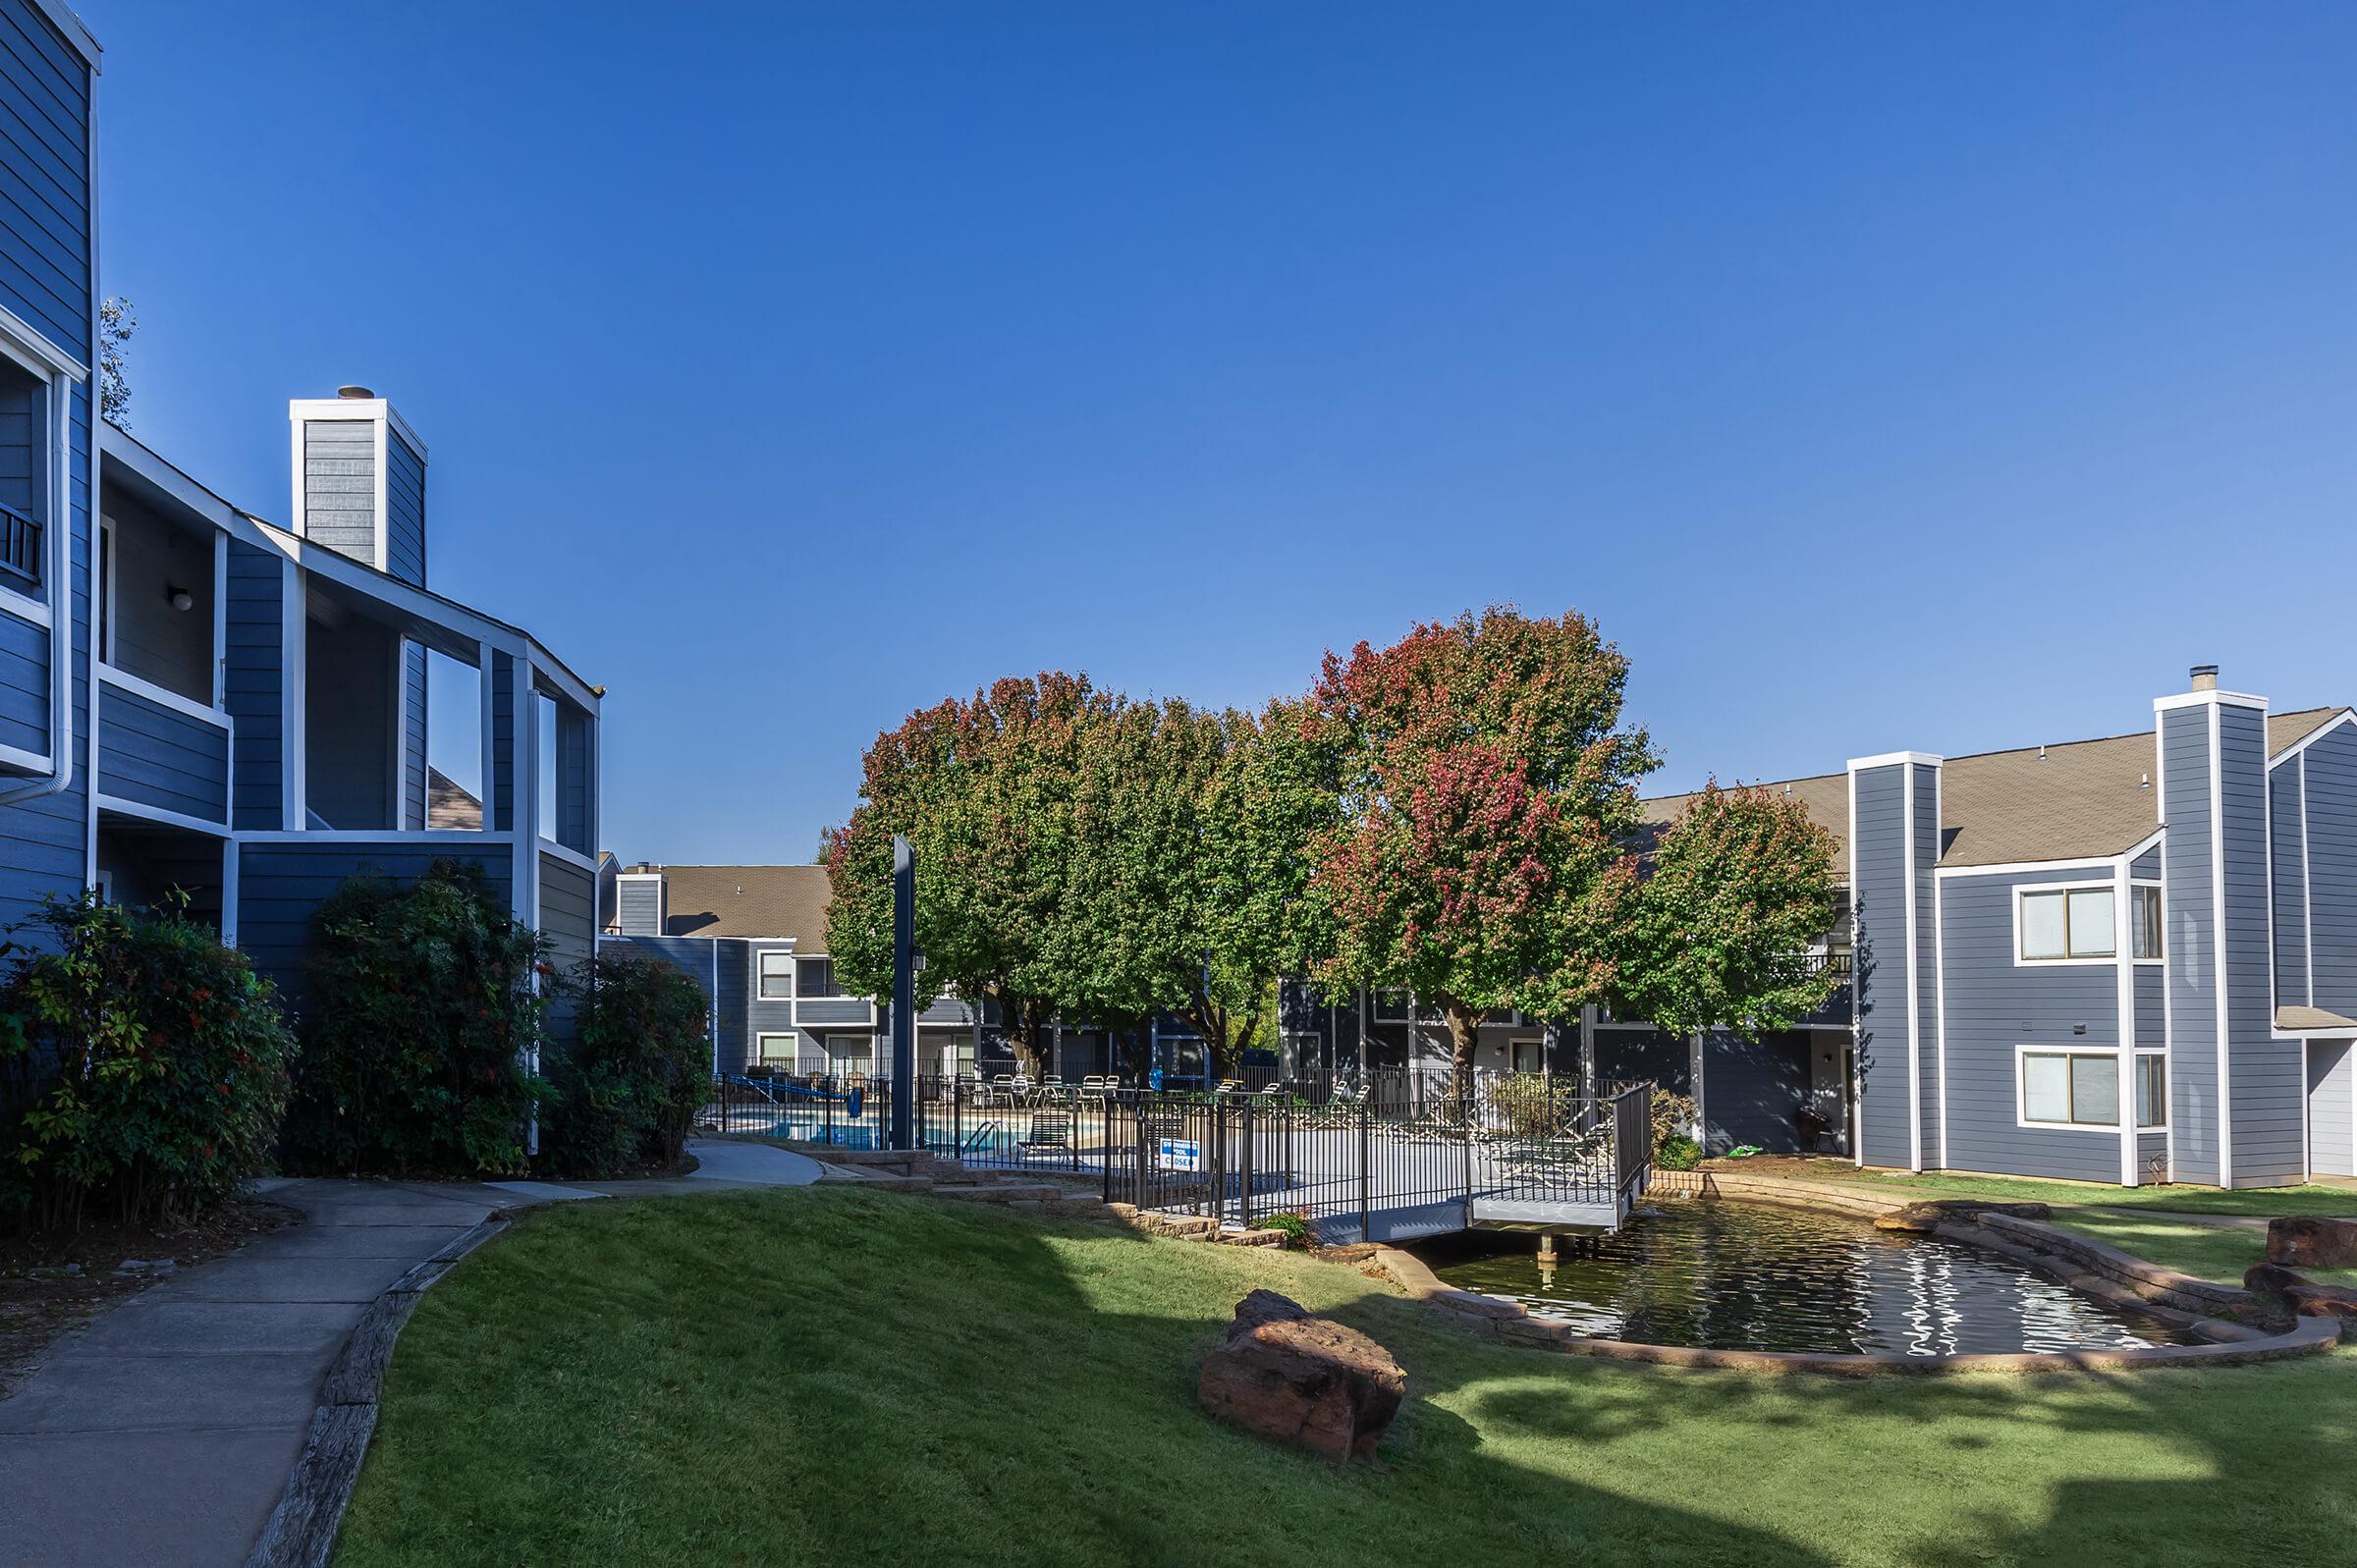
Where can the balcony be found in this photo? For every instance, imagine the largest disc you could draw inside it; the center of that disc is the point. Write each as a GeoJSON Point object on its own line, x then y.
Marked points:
{"type": "Point", "coordinates": [160, 754]}
{"type": "Point", "coordinates": [834, 1012]}
{"type": "Point", "coordinates": [20, 552]}
{"type": "Point", "coordinates": [1837, 1008]}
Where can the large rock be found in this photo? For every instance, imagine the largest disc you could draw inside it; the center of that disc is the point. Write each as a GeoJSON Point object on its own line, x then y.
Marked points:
{"type": "Point", "coordinates": [2308, 1241]}
{"type": "Point", "coordinates": [2272, 1279]}
{"type": "Point", "coordinates": [1301, 1380]}
{"type": "Point", "coordinates": [1921, 1218]}
{"type": "Point", "coordinates": [2324, 1301]}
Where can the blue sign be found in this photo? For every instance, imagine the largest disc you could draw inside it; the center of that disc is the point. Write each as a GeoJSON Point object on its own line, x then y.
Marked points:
{"type": "Point", "coordinates": [1181, 1154]}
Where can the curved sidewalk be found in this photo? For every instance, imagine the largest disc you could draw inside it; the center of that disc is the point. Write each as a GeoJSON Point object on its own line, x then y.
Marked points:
{"type": "Point", "coordinates": [163, 1432]}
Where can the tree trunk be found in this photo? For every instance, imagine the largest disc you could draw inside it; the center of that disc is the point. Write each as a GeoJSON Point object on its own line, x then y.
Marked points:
{"type": "Point", "coordinates": [1212, 1022]}
{"type": "Point", "coordinates": [1464, 1034]}
{"type": "Point", "coordinates": [1027, 1022]}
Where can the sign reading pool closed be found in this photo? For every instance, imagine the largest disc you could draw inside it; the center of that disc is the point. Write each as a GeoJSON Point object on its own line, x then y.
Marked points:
{"type": "Point", "coordinates": [1181, 1154]}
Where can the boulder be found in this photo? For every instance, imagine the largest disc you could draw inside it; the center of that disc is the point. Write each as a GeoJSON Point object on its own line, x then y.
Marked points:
{"type": "Point", "coordinates": [1921, 1218]}
{"type": "Point", "coordinates": [1304, 1381]}
{"type": "Point", "coordinates": [2310, 1241]}
{"type": "Point", "coordinates": [2324, 1301]}
{"type": "Point", "coordinates": [2270, 1278]}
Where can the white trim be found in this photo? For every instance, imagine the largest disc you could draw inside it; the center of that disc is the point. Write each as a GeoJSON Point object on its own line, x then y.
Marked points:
{"type": "Point", "coordinates": [2018, 868]}
{"type": "Point", "coordinates": [2123, 941]}
{"type": "Point", "coordinates": [25, 606]}
{"type": "Point", "coordinates": [106, 606]}
{"type": "Point", "coordinates": [1887, 758]}
{"type": "Point", "coordinates": [2023, 889]}
{"type": "Point", "coordinates": [229, 890]}
{"type": "Point", "coordinates": [761, 1055]}
{"type": "Point", "coordinates": [2211, 699]}
{"type": "Point", "coordinates": [2147, 842]}
{"type": "Point", "coordinates": [760, 956]}
{"type": "Point", "coordinates": [1914, 978]}
{"type": "Point", "coordinates": [380, 548]}
{"type": "Point", "coordinates": [379, 408]}
{"type": "Point", "coordinates": [2307, 894]}
{"type": "Point", "coordinates": [2137, 885]}
{"type": "Point", "coordinates": [2299, 747]}
{"type": "Point", "coordinates": [293, 733]}
{"type": "Point", "coordinates": [138, 686]}
{"type": "Point", "coordinates": [484, 781]}
{"type": "Point", "coordinates": [2169, 1006]}
{"type": "Point", "coordinates": [524, 775]}
{"type": "Point", "coordinates": [2217, 949]}
{"type": "Point", "coordinates": [572, 857]}
{"type": "Point", "coordinates": [1854, 1113]}
{"type": "Point", "coordinates": [77, 38]}
{"type": "Point", "coordinates": [18, 757]}
{"type": "Point", "coordinates": [377, 836]}
{"type": "Point", "coordinates": [33, 353]}
{"type": "Point", "coordinates": [220, 620]}
{"type": "Point", "coordinates": [1938, 958]}
{"type": "Point", "coordinates": [171, 819]}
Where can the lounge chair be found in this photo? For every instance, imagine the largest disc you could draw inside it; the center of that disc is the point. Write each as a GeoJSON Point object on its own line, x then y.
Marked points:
{"type": "Point", "coordinates": [1051, 1131]}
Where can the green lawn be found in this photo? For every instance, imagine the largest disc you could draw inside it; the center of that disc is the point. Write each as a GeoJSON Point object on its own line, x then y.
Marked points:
{"type": "Point", "coordinates": [832, 1376]}
{"type": "Point", "coordinates": [2261, 1202]}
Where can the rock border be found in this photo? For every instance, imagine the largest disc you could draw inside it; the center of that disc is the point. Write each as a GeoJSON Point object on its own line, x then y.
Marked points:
{"type": "Point", "coordinates": [301, 1530]}
{"type": "Point", "coordinates": [2106, 1272]}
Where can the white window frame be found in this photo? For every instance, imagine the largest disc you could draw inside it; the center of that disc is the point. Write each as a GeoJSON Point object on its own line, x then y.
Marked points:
{"type": "Point", "coordinates": [761, 976]}
{"type": "Point", "coordinates": [2128, 1060]}
{"type": "Point", "coordinates": [59, 373]}
{"type": "Point", "coordinates": [793, 1041]}
{"type": "Point", "coordinates": [2137, 888]}
{"type": "Point", "coordinates": [2027, 889]}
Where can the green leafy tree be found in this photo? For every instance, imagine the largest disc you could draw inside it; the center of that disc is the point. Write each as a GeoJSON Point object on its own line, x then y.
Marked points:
{"type": "Point", "coordinates": [1488, 797]}
{"type": "Point", "coordinates": [116, 324]}
{"type": "Point", "coordinates": [984, 791]}
{"type": "Point", "coordinates": [628, 1091]}
{"type": "Point", "coordinates": [1736, 891]}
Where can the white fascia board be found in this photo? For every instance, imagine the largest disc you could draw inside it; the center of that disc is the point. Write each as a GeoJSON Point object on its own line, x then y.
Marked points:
{"type": "Point", "coordinates": [378, 410]}
{"type": "Point", "coordinates": [2015, 868]}
{"type": "Point", "coordinates": [2150, 842]}
{"type": "Point", "coordinates": [2200, 699]}
{"type": "Point", "coordinates": [2345, 717]}
{"type": "Point", "coordinates": [1894, 758]}
{"type": "Point", "coordinates": [566, 683]}
{"type": "Point", "coordinates": [77, 36]}
{"type": "Point", "coordinates": [30, 347]}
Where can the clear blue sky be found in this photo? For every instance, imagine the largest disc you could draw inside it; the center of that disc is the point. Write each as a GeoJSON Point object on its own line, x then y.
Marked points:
{"type": "Point", "coordinates": [1946, 377]}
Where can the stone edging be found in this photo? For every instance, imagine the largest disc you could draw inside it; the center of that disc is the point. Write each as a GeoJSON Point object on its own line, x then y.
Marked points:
{"type": "Point", "coordinates": [2084, 1264]}
{"type": "Point", "coordinates": [302, 1529]}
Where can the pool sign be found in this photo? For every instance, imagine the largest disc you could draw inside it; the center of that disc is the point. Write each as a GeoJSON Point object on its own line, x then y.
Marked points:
{"type": "Point", "coordinates": [1181, 1154]}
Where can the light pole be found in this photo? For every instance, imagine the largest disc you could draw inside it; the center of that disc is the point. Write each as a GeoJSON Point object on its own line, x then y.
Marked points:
{"type": "Point", "coordinates": [903, 994]}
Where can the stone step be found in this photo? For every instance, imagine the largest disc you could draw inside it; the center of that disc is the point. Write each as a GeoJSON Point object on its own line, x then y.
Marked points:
{"type": "Point", "coordinates": [1006, 1193]}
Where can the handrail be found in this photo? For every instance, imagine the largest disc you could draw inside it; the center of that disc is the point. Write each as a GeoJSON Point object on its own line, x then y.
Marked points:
{"type": "Point", "coordinates": [20, 546]}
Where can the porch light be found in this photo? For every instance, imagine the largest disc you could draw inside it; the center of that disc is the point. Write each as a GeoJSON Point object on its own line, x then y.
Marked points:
{"type": "Point", "coordinates": [179, 598]}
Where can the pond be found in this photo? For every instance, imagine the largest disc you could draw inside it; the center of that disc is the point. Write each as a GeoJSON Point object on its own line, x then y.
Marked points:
{"type": "Point", "coordinates": [1732, 1276]}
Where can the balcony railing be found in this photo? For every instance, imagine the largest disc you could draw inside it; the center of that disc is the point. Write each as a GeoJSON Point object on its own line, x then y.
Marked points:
{"type": "Point", "coordinates": [19, 549]}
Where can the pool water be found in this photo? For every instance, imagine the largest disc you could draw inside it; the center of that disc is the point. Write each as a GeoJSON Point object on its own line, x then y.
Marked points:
{"type": "Point", "coordinates": [1732, 1276]}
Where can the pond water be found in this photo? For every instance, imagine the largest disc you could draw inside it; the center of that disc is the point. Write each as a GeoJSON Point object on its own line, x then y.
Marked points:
{"type": "Point", "coordinates": [1732, 1276]}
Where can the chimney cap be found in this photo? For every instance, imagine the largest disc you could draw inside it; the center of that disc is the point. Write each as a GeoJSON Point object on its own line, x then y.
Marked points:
{"type": "Point", "coordinates": [2205, 678]}
{"type": "Point", "coordinates": [355, 392]}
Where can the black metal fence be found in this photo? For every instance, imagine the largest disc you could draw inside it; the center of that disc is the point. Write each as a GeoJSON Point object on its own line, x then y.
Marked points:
{"type": "Point", "coordinates": [1397, 1156]}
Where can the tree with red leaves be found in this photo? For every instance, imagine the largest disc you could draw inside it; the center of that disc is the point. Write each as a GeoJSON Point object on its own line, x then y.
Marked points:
{"type": "Point", "coordinates": [1486, 858]}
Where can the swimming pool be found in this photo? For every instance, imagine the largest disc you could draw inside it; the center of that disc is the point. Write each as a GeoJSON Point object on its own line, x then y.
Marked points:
{"type": "Point", "coordinates": [1724, 1275]}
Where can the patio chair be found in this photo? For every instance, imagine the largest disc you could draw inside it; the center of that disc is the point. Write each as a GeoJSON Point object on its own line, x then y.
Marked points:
{"type": "Point", "coordinates": [1051, 1132]}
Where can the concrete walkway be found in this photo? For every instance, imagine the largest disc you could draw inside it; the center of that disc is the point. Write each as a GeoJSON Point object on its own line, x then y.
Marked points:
{"type": "Point", "coordinates": [163, 1432]}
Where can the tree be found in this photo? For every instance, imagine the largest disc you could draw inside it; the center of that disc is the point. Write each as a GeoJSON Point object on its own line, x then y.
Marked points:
{"type": "Point", "coordinates": [1487, 791]}
{"type": "Point", "coordinates": [1736, 891]}
{"type": "Point", "coordinates": [116, 324]}
{"type": "Point", "coordinates": [984, 790]}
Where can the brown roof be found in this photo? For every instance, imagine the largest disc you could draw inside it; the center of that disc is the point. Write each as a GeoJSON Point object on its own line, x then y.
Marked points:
{"type": "Point", "coordinates": [2301, 1020]}
{"type": "Point", "coordinates": [748, 901]}
{"type": "Point", "coordinates": [2072, 800]}
{"type": "Point", "coordinates": [449, 804]}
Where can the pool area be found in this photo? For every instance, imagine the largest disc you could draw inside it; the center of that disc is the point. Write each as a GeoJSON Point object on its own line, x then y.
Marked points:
{"type": "Point", "coordinates": [1724, 1275]}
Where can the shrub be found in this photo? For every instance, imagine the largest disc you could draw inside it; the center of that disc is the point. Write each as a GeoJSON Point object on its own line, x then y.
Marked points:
{"type": "Point", "coordinates": [423, 1023]}
{"type": "Point", "coordinates": [142, 1069]}
{"type": "Point", "coordinates": [1677, 1151]}
{"type": "Point", "coordinates": [628, 1093]}
{"type": "Point", "coordinates": [1534, 1106]}
{"type": "Point", "coordinates": [1673, 1117]}
{"type": "Point", "coordinates": [1299, 1229]}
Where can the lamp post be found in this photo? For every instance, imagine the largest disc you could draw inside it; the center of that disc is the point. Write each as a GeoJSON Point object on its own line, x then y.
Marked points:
{"type": "Point", "coordinates": [903, 994]}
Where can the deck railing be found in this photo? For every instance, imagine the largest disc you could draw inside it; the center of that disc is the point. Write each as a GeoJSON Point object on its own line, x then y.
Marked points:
{"type": "Point", "coordinates": [19, 549]}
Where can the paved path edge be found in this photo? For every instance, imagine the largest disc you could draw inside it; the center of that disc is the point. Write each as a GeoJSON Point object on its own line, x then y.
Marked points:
{"type": "Point", "coordinates": [301, 1530]}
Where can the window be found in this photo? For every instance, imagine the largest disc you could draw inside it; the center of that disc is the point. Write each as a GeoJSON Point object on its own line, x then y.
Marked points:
{"type": "Point", "coordinates": [2081, 1089]}
{"type": "Point", "coordinates": [776, 1047]}
{"type": "Point", "coordinates": [1391, 1007]}
{"type": "Point", "coordinates": [2062, 924]}
{"type": "Point", "coordinates": [818, 978]}
{"type": "Point", "coordinates": [849, 1055]}
{"type": "Point", "coordinates": [2144, 916]}
{"type": "Point", "coordinates": [2151, 1090]}
{"type": "Point", "coordinates": [777, 976]}
{"type": "Point", "coordinates": [26, 462]}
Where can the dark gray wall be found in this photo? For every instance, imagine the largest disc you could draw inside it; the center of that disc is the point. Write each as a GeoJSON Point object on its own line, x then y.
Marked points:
{"type": "Point", "coordinates": [2331, 770]}
{"type": "Point", "coordinates": [2287, 808]}
{"type": "Point", "coordinates": [2189, 910]}
{"type": "Point", "coordinates": [172, 648]}
{"type": "Point", "coordinates": [2269, 1076]}
{"type": "Point", "coordinates": [1879, 893]}
{"type": "Point", "coordinates": [339, 486]}
{"type": "Point", "coordinates": [281, 886]}
{"type": "Point", "coordinates": [413, 763]}
{"type": "Point", "coordinates": [1996, 1005]}
{"type": "Point", "coordinates": [568, 920]}
{"type": "Point", "coordinates": [253, 682]}
{"type": "Point", "coordinates": [405, 509]}
{"type": "Point", "coordinates": [161, 757]}
{"type": "Point", "coordinates": [1752, 1088]}
{"type": "Point", "coordinates": [350, 775]}
{"type": "Point", "coordinates": [2332, 1129]}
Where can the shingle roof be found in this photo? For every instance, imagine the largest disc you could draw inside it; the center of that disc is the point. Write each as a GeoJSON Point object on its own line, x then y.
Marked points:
{"type": "Point", "coordinates": [2302, 1020]}
{"type": "Point", "coordinates": [748, 901]}
{"type": "Point", "coordinates": [2067, 802]}
{"type": "Point", "coordinates": [449, 803]}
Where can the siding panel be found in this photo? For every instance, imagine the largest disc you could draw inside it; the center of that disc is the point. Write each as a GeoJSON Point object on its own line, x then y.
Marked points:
{"type": "Point", "coordinates": [253, 686]}
{"type": "Point", "coordinates": [281, 886]}
{"type": "Point", "coordinates": [161, 757]}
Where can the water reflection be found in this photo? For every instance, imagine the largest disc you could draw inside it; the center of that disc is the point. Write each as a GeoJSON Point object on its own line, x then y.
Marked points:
{"type": "Point", "coordinates": [1756, 1277]}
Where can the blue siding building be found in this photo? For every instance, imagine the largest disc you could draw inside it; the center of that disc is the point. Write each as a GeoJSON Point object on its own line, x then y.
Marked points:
{"type": "Point", "coordinates": [194, 699]}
